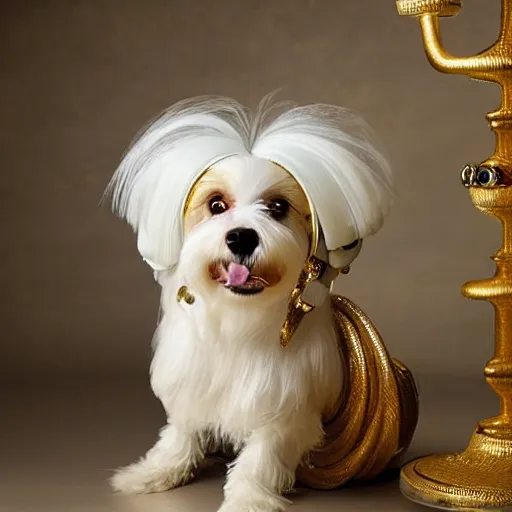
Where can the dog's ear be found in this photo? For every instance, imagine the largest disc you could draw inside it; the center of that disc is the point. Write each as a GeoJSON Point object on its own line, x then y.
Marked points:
{"type": "Point", "coordinates": [152, 183]}
{"type": "Point", "coordinates": [332, 154]}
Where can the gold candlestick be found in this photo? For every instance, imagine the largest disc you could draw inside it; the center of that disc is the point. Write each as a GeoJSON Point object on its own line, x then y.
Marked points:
{"type": "Point", "coordinates": [481, 476]}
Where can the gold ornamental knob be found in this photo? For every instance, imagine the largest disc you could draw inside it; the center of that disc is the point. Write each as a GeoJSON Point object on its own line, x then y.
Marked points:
{"type": "Point", "coordinates": [420, 7]}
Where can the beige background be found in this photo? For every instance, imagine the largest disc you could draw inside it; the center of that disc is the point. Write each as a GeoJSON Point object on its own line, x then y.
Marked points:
{"type": "Point", "coordinates": [77, 80]}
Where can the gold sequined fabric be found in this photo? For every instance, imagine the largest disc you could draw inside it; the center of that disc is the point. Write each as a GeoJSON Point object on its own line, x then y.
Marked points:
{"type": "Point", "coordinates": [377, 413]}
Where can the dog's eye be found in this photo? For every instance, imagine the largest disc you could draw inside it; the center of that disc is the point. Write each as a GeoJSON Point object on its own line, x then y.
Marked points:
{"type": "Point", "coordinates": [217, 205]}
{"type": "Point", "coordinates": [278, 208]}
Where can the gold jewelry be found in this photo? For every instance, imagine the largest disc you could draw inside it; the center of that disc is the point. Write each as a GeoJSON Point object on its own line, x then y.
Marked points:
{"type": "Point", "coordinates": [184, 294]}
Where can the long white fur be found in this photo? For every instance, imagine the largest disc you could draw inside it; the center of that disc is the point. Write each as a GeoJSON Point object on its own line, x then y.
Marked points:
{"type": "Point", "coordinates": [328, 149]}
{"type": "Point", "coordinates": [218, 367]}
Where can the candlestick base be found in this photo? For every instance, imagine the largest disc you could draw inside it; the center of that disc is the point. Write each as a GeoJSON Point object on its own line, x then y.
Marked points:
{"type": "Point", "coordinates": [480, 478]}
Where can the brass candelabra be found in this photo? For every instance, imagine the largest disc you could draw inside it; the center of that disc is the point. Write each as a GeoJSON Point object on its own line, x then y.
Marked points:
{"type": "Point", "coordinates": [481, 476]}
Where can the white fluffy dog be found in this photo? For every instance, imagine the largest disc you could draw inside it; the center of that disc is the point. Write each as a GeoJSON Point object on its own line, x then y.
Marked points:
{"type": "Point", "coordinates": [225, 206]}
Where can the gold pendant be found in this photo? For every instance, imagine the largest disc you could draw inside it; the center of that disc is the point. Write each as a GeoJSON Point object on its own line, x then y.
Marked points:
{"type": "Point", "coordinates": [297, 306]}
{"type": "Point", "coordinates": [184, 294]}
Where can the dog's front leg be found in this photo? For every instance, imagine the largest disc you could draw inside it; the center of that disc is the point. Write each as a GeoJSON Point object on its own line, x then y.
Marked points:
{"type": "Point", "coordinates": [265, 468]}
{"type": "Point", "coordinates": [170, 463]}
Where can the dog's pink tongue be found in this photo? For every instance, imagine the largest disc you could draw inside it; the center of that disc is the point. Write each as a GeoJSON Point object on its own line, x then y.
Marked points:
{"type": "Point", "coordinates": [237, 274]}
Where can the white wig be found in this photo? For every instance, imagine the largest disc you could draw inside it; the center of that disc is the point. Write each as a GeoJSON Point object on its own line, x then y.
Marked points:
{"type": "Point", "coordinates": [327, 149]}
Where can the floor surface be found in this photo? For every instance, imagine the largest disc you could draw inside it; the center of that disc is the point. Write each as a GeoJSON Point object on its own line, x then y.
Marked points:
{"type": "Point", "coordinates": [60, 441]}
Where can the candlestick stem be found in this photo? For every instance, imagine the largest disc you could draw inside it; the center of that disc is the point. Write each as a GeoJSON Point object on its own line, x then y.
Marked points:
{"type": "Point", "coordinates": [480, 477]}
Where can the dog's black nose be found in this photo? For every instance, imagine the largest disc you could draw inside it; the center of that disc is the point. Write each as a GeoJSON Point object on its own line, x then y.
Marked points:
{"type": "Point", "coordinates": [242, 241]}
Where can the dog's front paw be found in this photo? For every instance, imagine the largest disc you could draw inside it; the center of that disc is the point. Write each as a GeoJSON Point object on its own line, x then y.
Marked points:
{"type": "Point", "coordinates": [142, 478]}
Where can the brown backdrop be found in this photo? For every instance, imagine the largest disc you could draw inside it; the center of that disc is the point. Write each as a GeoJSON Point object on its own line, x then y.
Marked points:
{"type": "Point", "coordinates": [78, 79]}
